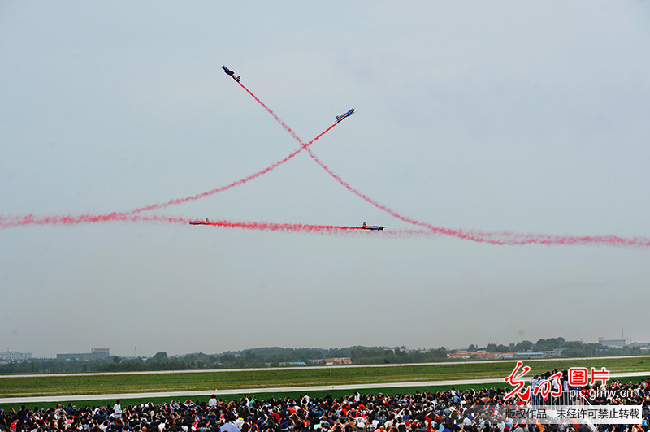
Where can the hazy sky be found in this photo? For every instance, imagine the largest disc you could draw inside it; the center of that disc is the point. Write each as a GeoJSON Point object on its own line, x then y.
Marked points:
{"type": "Point", "coordinates": [505, 115]}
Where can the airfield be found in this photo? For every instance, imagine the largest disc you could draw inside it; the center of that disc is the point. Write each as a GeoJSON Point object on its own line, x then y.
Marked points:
{"type": "Point", "coordinates": [229, 383]}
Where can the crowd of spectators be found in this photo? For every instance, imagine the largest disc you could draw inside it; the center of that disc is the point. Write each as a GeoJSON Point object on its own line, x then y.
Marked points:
{"type": "Point", "coordinates": [443, 411]}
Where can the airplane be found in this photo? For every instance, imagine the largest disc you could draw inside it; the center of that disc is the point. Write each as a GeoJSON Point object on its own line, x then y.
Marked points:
{"type": "Point", "coordinates": [231, 73]}
{"type": "Point", "coordinates": [342, 116]}
{"type": "Point", "coordinates": [207, 222]}
{"type": "Point", "coordinates": [372, 227]}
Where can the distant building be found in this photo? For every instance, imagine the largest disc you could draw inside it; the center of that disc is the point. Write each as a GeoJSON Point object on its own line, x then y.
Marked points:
{"type": "Point", "coordinates": [641, 345]}
{"type": "Point", "coordinates": [294, 363]}
{"type": "Point", "coordinates": [10, 356]}
{"type": "Point", "coordinates": [612, 343]}
{"type": "Point", "coordinates": [95, 354]}
{"type": "Point", "coordinates": [461, 355]}
{"type": "Point", "coordinates": [557, 352]}
{"type": "Point", "coordinates": [483, 355]}
{"type": "Point", "coordinates": [73, 356]}
{"type": "Point", "coordinates": [334, 361]}
{"type": "Point", "coordinates": [98, 353]}
{"type": "Point", "coordinates": [533, 354]}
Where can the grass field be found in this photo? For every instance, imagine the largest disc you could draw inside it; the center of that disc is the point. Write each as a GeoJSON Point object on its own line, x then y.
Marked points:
{"type": "Point", "coordinates": [226, 380]}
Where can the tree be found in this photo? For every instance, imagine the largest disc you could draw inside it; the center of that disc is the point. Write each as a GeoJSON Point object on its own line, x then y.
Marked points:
{"type": "Point", "coordinates": [160, 356]}
{"type": "Point", "coordinates": [549, 344]}
{"type": "Point", "coordinates": [524, 346]}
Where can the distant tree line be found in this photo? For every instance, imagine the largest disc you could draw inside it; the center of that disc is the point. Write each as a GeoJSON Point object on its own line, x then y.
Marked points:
{"type": "Point", "coordinates": [251, 358]}
{"type": "Point", "coordinates": [274, 357]}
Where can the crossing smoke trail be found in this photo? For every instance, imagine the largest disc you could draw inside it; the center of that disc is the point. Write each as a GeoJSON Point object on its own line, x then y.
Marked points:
{"type": "Point", "coordinates": [490, 237]}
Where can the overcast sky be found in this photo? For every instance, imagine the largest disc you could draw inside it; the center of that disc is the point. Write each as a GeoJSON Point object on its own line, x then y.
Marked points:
{"type": "Point", "coordinates": [505, 115]}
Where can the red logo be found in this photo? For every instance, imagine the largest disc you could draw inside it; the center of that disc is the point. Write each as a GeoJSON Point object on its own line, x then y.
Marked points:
{"type": "Point", "coordinates": [578, 377]}
{"type": "Point", "coordinates": [514, 380]}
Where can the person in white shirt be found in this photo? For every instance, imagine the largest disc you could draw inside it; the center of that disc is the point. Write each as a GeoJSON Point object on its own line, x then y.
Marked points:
{"type": "Point", "coordinates": [117, 409]}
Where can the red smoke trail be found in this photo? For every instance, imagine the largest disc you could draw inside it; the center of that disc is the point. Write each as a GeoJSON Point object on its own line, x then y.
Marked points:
{"type": "Point", "coordinates": [270, 111]}
{"type": "Point", "coordinates": [68, 220]}
{"type": "Point", "coordinates": [14, 221]}
{"type": "Point", "coordinates": [116, 217]}
{"type": "Point", "coordinates": [240, 181]}
{"type": "Point", "coordinates": [270, 226]}
{"type": "Point", "coordinates": [437, 230]}
{"type": "Point", "coordinates": [504, 238]}
{"type": "Point", "coordinates": [490, 237]}
{"type": "Point", "coordinates": [18, 221]}
{"type": "Point", "coordinates": [270, 168]}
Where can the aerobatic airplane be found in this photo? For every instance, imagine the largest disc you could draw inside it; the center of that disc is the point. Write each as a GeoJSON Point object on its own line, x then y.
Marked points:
{"type": "Point", "coordinates": [207, 222]}
{"type": "Point", "coordinates": [372, 227]}
{"type": "Point", "coordinates": [231, 73]}
{"type": "Point", "coordinates": [342, 116]}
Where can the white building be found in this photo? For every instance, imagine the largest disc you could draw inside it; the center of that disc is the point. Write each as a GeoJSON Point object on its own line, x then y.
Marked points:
{"type": "Point", "coordinates": [15, 356]}
{"type": "Point", "coordinates": [612, 343]}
